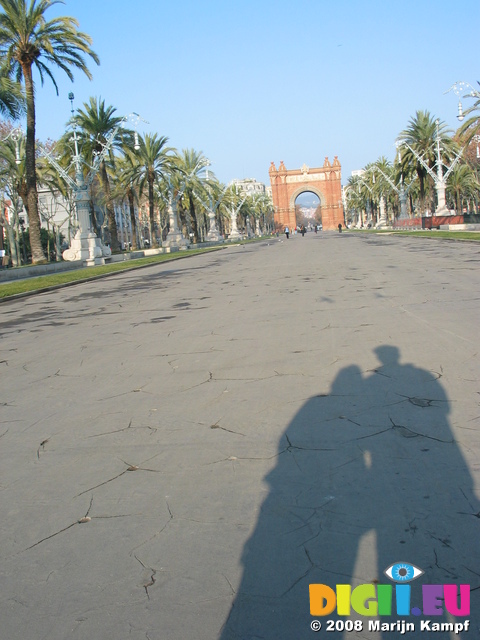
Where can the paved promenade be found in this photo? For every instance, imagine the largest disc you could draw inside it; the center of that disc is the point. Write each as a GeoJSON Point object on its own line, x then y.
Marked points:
{"type": "Point", "coordinates": [185, 448]}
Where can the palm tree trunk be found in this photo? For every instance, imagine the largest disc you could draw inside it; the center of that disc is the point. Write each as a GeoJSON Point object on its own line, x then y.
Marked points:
{"type": "Point", "coordinates": [131, 204]}
{"type": "Point", "coordinates": [151, 215]}
{"type": "Point", "coordinates": [13, 244]}
{"type": "Point", "coordinates": [422, 191]}
{"type": "Point", "coordinates": [112, 223]}
{"type": "Point", "coordinates": [31, 203]}
{"type": "Point", "coordinates": [183, 220]}
{"type": "Point", "coordinates": [193, 218]}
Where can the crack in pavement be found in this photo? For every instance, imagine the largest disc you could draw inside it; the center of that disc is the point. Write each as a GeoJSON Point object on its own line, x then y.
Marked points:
{"type": "Point", "coordinates": [405, 432]}
{"type": "Point", "coordinates": [86, 518]}
{"type": "Point", "coordinates": [140, 390]}
{"type": "Point", "coordinates": [130, 467]}
{"type": "Point", "coordinates": [129, 426]}
{"type": "Point", "coordinates": [217, 426]}
{"type": "Point", "coordinates": [152, 577]}
{"type": "Point", "coordinates": [157, 533]}
{"type": "Point", "coordinates": [293, 446]}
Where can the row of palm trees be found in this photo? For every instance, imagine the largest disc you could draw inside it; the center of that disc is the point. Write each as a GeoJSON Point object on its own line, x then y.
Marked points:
{"type": "Point", "coordinates": [364, 192]}
{"type": "Point", "coordinates": [140, 171]}
{"type": "Point", "coordinates": [144, 170]}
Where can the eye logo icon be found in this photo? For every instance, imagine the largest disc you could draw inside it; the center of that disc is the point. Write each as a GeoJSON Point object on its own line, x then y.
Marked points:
{"type": "Point", "coordinates": [403, 572]}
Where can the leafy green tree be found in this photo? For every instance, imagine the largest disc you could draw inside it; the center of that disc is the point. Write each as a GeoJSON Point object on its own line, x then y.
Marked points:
{"type": "Point", "coordinates": [47, 239]}
{"type": "Point", "coordinates": [27, 41]}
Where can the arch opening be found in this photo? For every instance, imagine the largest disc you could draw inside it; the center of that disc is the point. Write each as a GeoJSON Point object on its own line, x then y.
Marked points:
{"type": "Point", "coordinates": [308, 210]}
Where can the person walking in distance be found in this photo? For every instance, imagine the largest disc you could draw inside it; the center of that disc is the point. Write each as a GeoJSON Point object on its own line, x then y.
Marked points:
{"type": "Point", "coordinates": [287, 232]}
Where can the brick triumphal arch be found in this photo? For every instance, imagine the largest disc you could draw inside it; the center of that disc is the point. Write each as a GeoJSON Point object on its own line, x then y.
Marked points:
{"type": "Point", "coordinates": [324, 182]}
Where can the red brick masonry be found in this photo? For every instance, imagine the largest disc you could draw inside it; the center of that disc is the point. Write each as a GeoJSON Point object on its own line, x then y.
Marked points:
{"type": "Point", "coordinates": [325, 182]}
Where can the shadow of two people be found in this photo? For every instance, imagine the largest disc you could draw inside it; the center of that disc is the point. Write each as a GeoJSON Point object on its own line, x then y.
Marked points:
{"type": "Point", "coordinates": [367, 476]}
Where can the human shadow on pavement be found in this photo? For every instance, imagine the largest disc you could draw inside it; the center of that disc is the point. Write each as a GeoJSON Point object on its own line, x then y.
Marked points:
{"type": "Point", "coordinates": [367, 476]}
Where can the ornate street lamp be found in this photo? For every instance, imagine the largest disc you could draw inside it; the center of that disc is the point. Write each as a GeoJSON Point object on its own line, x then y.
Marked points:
{"type": "Point", "coordinates": [86, 245]}
{"type": "Point", "coordinates": [439, 178]}
{"type": "Point", "coordinates": [458, 88]}
{"type": "Point", "coordinates": [400, 190]}
{"type": "Point", "coordinates": [213, 234]}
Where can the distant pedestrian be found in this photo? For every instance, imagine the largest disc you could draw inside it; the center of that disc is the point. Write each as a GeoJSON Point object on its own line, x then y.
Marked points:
{"type": "Point", "coordinates": [287, 232]}
{"type": "Point", "coordinates": [339, 227]}
{"type": "Point", "coordinates": [302, 230]}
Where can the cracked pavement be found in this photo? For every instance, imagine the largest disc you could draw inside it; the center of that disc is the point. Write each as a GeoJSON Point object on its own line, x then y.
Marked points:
{"type": "Point", "coordinates": [185, 448]}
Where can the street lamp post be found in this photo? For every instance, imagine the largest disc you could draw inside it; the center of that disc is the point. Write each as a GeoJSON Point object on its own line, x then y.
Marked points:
{"type": "Point", "coordinates": [85, 246]}
{"type": "Point", "coordinates": [439, 178]}
{"type": "Point", "coordinates": [400, 190]}
{"type": "Point", "coordinates": [213, 234]}
{"type": "Point", "coordinates": [234, 232]}
{"type": "Point", "coordinates": [175, 238]}
{"type": "Point", "coordinates": [16, 135]}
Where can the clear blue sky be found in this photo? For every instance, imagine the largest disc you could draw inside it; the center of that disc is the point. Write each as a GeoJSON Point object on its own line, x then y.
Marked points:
{"type": "Point", "coordinates": [260, 80]}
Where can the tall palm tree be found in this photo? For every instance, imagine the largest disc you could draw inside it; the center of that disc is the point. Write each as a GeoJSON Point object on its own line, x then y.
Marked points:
{"type": "Point", "coordinates": [28, 40]}
{"type": "Point", "coordinates": [192, 165]}
{"type": "Point", "coordinates": [154, 162]}
{"type": "Point", "coordinates": [421, 135]}
{"type": "Point", "coordinates": [95, 123]}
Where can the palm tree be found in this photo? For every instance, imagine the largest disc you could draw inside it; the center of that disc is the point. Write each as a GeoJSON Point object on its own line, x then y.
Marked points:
{"type": "Point", "coordinates": [154, 162]}
{"type": "Point", "coordinates": [421, 135]}
{"type": "Point", "coordinates": [192, 166]}
{"type": "Point", "coordinates": [12, 100]}
{"type": "Point", "coordinates": [95, 123]}
{"type": "Point", "coordinates": [462, 183]}
{"type": "Point", "coordinates": [28, 40]}
{"type": "Point", "coordinates": [358, 195]}
{"type": "Point", "coordinates": [382, 186]}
